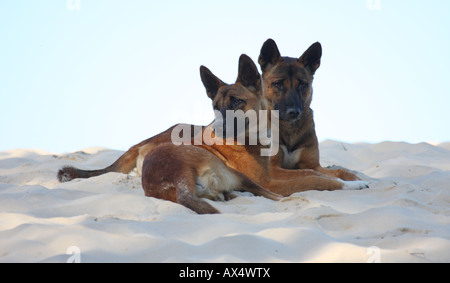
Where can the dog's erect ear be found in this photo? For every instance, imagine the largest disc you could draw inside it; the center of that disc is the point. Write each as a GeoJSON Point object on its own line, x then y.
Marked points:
{"type": "Point", "coordinates": [248, 74]}
{"type": "Point", "coordinates": [311, 58]}
{"type": "Point", "coordinates": [269, 55]}
{"type": "Point", "coordinates": [210, 81]}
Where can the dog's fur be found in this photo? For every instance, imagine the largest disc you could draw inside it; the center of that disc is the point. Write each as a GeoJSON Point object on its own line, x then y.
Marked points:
{"type": "Point", "coordinates": [297, 135]}
{"type": "Point", "coordinates": [288, 88]}
{"type": "Point", "coordinates": [186, 173]}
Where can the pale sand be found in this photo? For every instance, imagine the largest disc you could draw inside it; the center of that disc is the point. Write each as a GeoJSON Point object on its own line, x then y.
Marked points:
{"type": "Point", "coordinates": [403, 217]}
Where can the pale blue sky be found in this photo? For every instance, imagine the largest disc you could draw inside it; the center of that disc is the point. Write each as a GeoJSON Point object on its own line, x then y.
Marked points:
{"type": "Point", "coordinates": [113, 73]}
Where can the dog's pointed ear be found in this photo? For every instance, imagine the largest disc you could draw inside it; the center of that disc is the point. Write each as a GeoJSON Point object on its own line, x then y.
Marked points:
{"type": "Point", "coordinates": [269, 55]}
{"type": "Point", "coordinates": [311, 58]}
{"type": "Point", "coordinates": [210, 81]}
{"type": "Point", "coordinates": [248, 74]}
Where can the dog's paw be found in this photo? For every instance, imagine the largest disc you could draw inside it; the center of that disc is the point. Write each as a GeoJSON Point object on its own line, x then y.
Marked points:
{"type": "Point", "coordinates": [355, 185]}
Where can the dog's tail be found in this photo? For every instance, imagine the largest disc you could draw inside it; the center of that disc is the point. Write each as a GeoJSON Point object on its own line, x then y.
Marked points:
{"type": "Point", "coordinates": [125, 164]}
{"type": "Point", "coordinates": [68, 173]}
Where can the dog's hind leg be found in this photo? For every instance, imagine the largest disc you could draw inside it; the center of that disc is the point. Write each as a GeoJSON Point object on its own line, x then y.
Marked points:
{"type": "Point", "coordinates": [250, 186]}
{"type": "Point", "coordinates": [168, 174]}
{"type": "Point", "coordinates": [188, 199]}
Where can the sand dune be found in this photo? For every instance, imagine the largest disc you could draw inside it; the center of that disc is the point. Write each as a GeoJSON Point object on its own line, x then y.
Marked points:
{"type": "Point", "coordinates": [403, 217]}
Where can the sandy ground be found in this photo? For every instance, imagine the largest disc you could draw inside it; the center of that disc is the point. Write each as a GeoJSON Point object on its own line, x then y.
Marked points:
{"type": "Point", "coordinates": [403, 217]}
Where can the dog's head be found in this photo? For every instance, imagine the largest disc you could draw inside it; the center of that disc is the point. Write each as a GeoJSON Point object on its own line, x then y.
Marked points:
{"type": "Point", "coordinates": [288, 81]}
{"type": "Point", "coordinates": [245, 94]}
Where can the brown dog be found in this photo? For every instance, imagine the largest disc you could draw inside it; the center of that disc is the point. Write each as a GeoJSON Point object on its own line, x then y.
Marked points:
{"type": "Point", "coordinates": [288, 88]}
{"type": "Point", "coordinates": [186, 173]}
{"type": "Point", "coordinates": [256, 167]}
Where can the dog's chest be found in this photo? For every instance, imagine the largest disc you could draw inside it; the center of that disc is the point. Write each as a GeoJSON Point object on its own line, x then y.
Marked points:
{"type": "Point", "coordinates": [290, 159]}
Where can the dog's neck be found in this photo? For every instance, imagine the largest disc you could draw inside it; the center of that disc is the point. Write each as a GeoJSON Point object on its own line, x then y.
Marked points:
{"type": "Point", "coordinates": [298, 134]}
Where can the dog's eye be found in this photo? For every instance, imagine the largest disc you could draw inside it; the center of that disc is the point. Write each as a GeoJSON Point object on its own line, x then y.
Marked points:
{"type": "Point", "coordinates": [302, 84]}
{"type": "Point", "coordinates": [279, 84]}
{"type": "Point", "coordinates": [235, 102]}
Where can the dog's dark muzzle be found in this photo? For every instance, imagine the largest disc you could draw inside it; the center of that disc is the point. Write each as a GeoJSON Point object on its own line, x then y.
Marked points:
{"type": "Point", "coordinates": [290, 107]}
{"type": "Point", "coordinates": [293, 114]}
{"type": "Point", "coordinates": [236, 125]}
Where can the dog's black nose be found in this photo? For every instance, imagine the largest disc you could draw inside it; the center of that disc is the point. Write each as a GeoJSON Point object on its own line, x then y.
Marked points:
{"type": "Point", "coordinates": [293, 113]}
